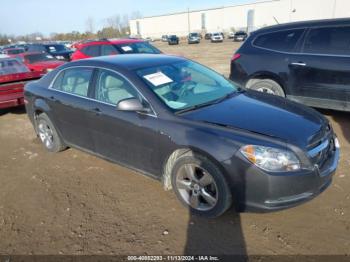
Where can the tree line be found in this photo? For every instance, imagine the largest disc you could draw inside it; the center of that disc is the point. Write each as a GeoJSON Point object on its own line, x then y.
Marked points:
{"type": "Point", "coordinates": [114, 27]}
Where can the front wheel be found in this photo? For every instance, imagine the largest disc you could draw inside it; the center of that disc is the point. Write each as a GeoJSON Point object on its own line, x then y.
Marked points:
{"type": "Point", "coordinates": [48, 134]}
{"type": "Point", "coordinates": [266, 86]}
{"type": "Point", "coordinates": [200, 185]}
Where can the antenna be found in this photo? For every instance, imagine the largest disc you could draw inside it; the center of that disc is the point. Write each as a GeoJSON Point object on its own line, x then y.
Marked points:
{"type": "Point", "coordinates": [276, 20]}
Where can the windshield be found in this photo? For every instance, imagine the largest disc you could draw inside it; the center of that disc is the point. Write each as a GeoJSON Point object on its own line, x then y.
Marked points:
{"type": "Point", "coordinates": [185, 85]}
{"type": "Point", "coordinates": [12, 66]}
{"type": "Point", "coordinates": [137, 48]}
{"type": "Point", "coordinates": [56, 48]}
{"type": "Point", "coordinates": [34, 58]}
{"type": "Point", "coordinates": [194, 35]}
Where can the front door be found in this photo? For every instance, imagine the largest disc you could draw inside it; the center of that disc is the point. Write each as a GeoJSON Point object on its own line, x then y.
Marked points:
{"type": "Point", "coordinates": [130, 138]}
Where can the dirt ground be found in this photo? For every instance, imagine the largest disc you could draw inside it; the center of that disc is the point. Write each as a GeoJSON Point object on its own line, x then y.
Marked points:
{"type": "Point", "coordinates": [75, 203]}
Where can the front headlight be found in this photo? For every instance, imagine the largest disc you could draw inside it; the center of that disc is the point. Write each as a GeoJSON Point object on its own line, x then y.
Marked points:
{"type": "Point", "coordinates": [60, 57]}
{"type": "Point", "coordinates": [271, 159]}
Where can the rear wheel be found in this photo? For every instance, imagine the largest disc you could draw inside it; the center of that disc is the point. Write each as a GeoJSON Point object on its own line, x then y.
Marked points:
{"type": "Point", "coordinates": [200, 185]}
{"type": "Point", "coordinates": [48, 134]}
{"type": "Point", "coordinates": [266, 86]}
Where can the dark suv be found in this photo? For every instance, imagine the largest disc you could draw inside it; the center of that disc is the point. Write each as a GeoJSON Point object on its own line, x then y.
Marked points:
{"type": "Point", "coordinates": [59, 51]}
{"type": "Point", "coordinates": [308, 62]}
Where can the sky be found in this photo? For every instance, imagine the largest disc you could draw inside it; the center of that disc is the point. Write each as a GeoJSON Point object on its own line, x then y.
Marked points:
{"type": "Point", "coordinates": [21, 17]}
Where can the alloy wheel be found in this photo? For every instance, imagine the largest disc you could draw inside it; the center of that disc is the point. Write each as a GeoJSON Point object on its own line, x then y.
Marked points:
{"type": "Point", "coordinates": [46, 134]}
{"type": "Point", "coordinates": [197, 187]}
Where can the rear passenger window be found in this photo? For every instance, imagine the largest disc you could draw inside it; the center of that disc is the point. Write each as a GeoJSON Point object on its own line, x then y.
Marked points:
{"type": "Point", "coordinates": [330, 40]}
{"type": "Point", "coordinates": [111, 88]}
{"type": "Point", "coordinates": [92, 50]}
{"type": "Point", "coordinates": [75, 81]}
{"type": "Point", "coordinates": [108, 50]}
{"type": "Point", "coordinates": [280, 41]}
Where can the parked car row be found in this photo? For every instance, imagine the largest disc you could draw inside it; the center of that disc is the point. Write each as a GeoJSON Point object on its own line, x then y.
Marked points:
{"type": "Point", "coordinates": [41, 58]}
{"type": "Point", "coordinates": [57, 50]}
{"type": "Point", "coordinates": [195, 38]}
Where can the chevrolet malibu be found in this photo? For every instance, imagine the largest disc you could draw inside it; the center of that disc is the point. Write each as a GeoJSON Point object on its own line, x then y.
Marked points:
{"type": "Point", "coordinates": [187, 126]}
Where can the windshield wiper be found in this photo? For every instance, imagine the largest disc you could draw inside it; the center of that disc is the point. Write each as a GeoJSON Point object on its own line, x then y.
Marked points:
{"type": "Point", "coordinates": [216, 101]}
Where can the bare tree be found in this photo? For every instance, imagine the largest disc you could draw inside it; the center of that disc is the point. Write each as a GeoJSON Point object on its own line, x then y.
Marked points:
{"type": "Point", "coordinates": [136, 15]}
{"type": "Point", "coordinates": [125, 20]}
{"type": "Point", "coordinates": [114, 22]}
{"type": "Point", "coordinates": [90, 25]}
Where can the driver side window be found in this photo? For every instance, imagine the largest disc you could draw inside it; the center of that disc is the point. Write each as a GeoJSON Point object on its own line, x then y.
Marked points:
{"type": "Point", "coordinates": [112, 88]}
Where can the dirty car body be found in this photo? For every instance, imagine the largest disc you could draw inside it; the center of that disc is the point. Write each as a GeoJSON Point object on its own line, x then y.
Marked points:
{"type": "Point", "coordinates": [188, 107]}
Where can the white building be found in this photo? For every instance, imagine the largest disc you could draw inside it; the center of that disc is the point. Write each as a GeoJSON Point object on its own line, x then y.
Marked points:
{"type": "Point", "coordinates": [246, 16]}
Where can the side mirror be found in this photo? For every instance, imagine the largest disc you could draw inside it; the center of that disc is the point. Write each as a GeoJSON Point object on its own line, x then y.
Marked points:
{"type": "Point", "coordinates": [132, 104]}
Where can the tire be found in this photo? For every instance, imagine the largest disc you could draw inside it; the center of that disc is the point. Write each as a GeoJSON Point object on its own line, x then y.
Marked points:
{"type": "Point", "coordinates": [48, 134]}
{"type": "Point", "coordinates": [266, 86]}
{"type": "Point", "coordinates": [210, 184]}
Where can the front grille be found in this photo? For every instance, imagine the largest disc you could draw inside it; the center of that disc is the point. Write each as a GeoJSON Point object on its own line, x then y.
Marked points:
{"type": "Point", "coordinates": [321, 153]}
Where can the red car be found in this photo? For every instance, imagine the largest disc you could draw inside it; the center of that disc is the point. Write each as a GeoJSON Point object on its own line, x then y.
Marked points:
{"type": "Point", "coordinates": [112, 47]}
{"type": "Point", "coordinates": [13, 76]}
{"type": "Point", "coordinates": [40, 62]}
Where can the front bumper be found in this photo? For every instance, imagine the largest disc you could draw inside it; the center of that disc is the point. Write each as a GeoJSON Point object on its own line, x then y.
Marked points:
{"type": "Point", "coordinates": [238, 39]}
{"type": "Point", "coordinates": [193, 41]}
{"type": "Point", "coordinates": [256, 190]}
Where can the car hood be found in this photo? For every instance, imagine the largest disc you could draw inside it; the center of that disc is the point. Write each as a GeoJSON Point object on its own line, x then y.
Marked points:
{"type": "Point", "coordinates": [267, 115]}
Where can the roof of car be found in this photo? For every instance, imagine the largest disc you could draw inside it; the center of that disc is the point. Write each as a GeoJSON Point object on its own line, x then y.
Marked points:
{"type": "Point", "coordinates": [111, 41]}
{"type": "Point", "coordinates": [130, 61]}
{"type": "Point", "coordinates": [32, 53]}
{"type": "Point", "coordinates": [302, 24]}
{"type": "Point", "coordinates": [10, 59]}
{"type": "Point", "coordinates": [13, 48]}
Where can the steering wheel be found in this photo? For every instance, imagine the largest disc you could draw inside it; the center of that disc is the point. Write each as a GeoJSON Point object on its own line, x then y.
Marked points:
{"type": "Point", "coordinates": [187, 87]}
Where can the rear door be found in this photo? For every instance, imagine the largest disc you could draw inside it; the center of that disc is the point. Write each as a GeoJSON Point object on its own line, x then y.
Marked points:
{"type": "Point", "coordinates": [130, 138]}
{"type": "Point", "coordinates": [71, 106]}
{"type": "Point", "coordinates": [92, 50]}
{"type": "Point", "coordinates": [322, 71]}
{"type": "Point", "coordinates": [107, 50]}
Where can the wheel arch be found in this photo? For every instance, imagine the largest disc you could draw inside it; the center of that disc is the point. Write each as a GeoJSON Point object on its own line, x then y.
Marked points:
{"type": "Point", "coordinates": [40, 106]}
{"type": "Point", "coordinates": [267, 75]}
{"type": "Point", "coordinates": [171, 159]}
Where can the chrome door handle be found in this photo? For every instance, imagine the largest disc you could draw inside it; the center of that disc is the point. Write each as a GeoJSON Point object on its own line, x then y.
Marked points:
{"type": "Point", "coordinates": [298, 64]}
